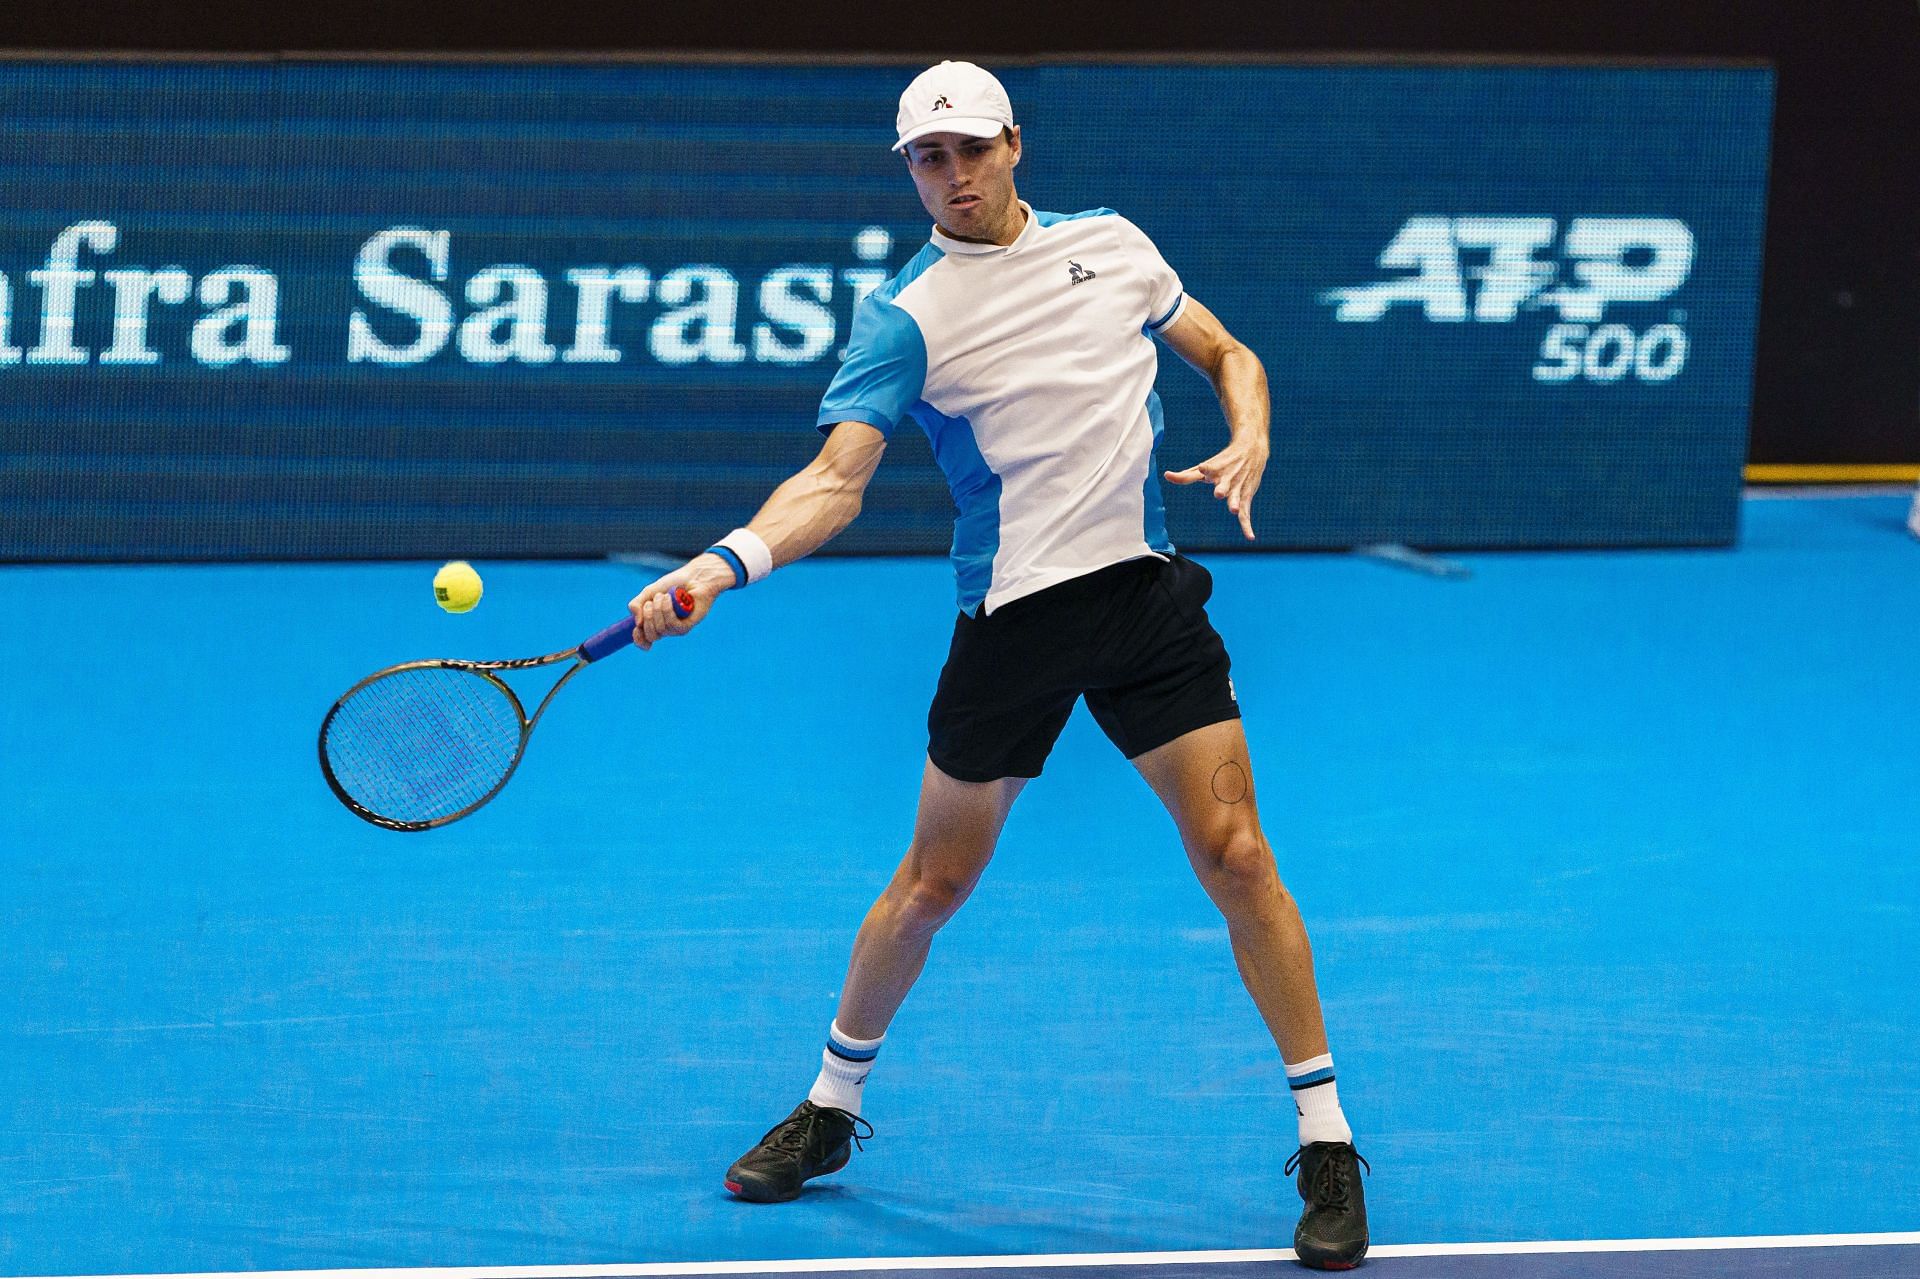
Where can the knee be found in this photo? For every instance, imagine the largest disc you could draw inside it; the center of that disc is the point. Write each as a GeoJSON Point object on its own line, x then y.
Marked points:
{"type": "Point", "coordinates": [924, 900]}
{"type": "Point", "coordinates": [1238, 863]}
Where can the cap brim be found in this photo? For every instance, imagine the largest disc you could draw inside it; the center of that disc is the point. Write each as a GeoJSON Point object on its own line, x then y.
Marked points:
{"type": "Point", "coordinates": [972, 125]}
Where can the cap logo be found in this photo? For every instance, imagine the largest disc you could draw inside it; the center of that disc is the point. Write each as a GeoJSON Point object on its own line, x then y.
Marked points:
{"type": "Point", "coordinates": [941, 101]}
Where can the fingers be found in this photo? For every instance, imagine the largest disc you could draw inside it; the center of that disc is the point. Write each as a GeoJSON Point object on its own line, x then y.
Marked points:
{"type": "Point", "coordinates": [652, 628]}
{"type": "Point", "coordinates": [1236, 490]}
{"type": "Point", "coordinates": [661, 621]}
{"type": "Point", "coordinates": [1214, 471]}
{"type": "Point", "coordinates": [1241, 504]}
{"type": "Point", "coordinates": [638, 607]}
{"type": "Point", "coordinates": [654, 618]}
{"type": "Point", "coordinates": [1235, 479]}
{"type": "Point", "coordinates": [643, 636]}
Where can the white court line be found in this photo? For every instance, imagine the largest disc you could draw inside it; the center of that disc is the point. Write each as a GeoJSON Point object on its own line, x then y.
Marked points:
{"type": "Point", "coordinates": [1062, 1259]}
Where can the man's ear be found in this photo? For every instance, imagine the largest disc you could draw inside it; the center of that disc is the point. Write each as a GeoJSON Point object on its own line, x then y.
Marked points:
{"type": "Point", "coordinates": [1013, 140]}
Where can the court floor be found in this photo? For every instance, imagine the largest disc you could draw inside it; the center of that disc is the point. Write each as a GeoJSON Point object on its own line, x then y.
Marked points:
{"type": "Point", "coordinates": [1609, 861]}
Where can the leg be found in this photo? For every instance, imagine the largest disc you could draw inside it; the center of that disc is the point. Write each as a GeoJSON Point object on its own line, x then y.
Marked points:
{"type": "Point", "coordinates": [1206, 781]}
{"type": "Point", "coordinates": [995, 715]}
{"type": "Point", "coordinates": [953, 838]}
{"type": "Point", "coordinates": [954, 835]}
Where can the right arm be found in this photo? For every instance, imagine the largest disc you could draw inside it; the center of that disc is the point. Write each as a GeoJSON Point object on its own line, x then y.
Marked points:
{"type": "Point", "coordinates": [810, 508]}
{"type": "Point", "coordinates": [805, 513]}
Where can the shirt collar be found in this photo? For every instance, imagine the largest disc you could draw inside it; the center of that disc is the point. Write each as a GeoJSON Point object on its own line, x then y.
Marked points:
{"type": "Point", "coordinates": [947, 244]}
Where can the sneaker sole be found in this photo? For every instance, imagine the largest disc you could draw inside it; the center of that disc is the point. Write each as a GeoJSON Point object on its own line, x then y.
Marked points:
{"type": "Point", "coordinates": [1318, 1256]}
{"type": "Point", "coordinates": [759, 1192]}
{"type": "Point", "coordinates": [755, 1193]}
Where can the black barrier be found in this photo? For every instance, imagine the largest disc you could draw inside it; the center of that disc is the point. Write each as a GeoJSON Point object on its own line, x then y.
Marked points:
{"type": "Point", "coordinates": [384, 310]}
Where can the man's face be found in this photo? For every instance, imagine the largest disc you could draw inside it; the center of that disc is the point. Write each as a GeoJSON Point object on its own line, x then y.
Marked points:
{"type": "Point", "coordinates": [966, 183]}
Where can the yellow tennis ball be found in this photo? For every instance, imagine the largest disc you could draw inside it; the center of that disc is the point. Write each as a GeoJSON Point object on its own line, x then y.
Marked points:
{"type": "Point", "coordinates": [456, 587]}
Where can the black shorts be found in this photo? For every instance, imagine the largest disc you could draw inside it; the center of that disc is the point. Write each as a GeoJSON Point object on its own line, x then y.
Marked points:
{"type": "Point", "coordinates": [1132, 637]}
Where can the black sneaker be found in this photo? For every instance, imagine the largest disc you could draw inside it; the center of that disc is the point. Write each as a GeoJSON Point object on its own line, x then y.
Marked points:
{"type": "Point", "coordinates": [1332, 1234]}
{"type": "Point", "coordinates": [811, 1142]}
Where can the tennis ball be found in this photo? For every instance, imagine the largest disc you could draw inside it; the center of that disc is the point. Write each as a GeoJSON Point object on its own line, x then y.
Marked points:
{"type": "Point", "coordinates": [456, 587]}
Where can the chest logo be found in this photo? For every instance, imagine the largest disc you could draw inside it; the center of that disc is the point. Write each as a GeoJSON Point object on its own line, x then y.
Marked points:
{"type": "Point", "coordinates": [1077, 274]}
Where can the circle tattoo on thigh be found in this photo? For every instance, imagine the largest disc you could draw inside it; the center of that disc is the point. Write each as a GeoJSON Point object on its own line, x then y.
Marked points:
{"type": "Point", "coordinates": [1230, 783]}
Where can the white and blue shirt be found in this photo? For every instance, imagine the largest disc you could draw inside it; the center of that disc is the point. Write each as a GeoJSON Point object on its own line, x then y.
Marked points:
{"type": "Point", "coordinates": [1031, 368]}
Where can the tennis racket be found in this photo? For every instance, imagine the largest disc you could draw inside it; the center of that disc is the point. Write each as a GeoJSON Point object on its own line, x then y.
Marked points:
{"type": "Point", "coordinates": [422, 744]}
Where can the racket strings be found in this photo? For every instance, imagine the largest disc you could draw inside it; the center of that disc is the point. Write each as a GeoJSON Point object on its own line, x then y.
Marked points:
{"type": "Point", "coordinates": [423, 744]}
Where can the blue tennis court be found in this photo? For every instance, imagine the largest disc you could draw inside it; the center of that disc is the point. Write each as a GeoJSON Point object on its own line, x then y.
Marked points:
{"type": "Point", "coordinates": [1608, 859]}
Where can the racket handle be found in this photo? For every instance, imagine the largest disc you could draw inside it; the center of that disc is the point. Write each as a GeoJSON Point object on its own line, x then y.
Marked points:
{"type": "Point", "coordinates": [620, 634]}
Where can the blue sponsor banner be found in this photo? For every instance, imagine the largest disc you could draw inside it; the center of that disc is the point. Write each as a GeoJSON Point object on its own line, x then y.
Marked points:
{"type": "Point", "coordinates": [354, 309]}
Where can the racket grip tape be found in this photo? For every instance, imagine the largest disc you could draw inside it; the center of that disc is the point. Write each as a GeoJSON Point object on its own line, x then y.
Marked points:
{"type": "Point", "coordinates": [620, 634]}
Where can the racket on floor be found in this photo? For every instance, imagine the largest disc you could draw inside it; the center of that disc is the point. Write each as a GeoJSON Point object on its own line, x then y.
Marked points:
{"type": "Point", "coordinates": [422, 744]}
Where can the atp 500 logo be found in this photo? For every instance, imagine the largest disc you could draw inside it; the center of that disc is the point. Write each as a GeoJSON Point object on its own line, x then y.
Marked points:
{"type": "Point", "coordinates": [1601, 263]}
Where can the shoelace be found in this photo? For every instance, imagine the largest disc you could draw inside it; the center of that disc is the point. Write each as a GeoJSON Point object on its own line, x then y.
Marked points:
{"type": "Point", "coordinates": [795, 1135]}
{"type": "Point", "coordinates": [1328, 1186]}
{"type": "Point", "coordinates": [791, 1137]}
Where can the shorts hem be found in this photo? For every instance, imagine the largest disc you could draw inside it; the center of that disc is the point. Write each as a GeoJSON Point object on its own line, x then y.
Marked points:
{"type": "Point", "coordinates": [975, 775]}
{"type": "Point", "coordinates": [1181, 728]}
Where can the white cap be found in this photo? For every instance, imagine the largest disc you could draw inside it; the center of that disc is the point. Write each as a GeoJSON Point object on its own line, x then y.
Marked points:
{"type": "Point", "coordinates": [954, 97]}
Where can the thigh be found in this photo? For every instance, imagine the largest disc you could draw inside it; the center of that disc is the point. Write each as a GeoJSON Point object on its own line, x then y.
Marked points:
{"type": "Point", "coordinates": [1205, 779]}
{"type": "Point", "coordinates": [958, 823]}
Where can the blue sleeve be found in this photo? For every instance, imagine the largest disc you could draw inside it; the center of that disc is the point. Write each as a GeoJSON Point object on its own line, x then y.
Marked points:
{"type": "Point", "coordinates": [884, 372]}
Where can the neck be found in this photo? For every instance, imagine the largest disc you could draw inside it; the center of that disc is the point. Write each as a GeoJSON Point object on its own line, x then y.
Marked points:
{"type": "Point", "coordinates": [1006, 233]}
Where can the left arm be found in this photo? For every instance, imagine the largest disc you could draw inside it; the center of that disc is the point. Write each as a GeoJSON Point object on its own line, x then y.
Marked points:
{"type": "Point", "coordinates": [1241, 383]}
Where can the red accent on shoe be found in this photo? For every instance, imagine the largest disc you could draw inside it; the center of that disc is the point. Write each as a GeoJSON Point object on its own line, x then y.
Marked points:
{"type": "Point", "coordinates": [734, 1186]}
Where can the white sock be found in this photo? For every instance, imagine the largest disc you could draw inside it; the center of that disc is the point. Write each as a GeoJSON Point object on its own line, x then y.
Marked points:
{"type": "Point", "coordinates": [1317, 1099]}
{"type": "Point", "coordinates": [844, 1065]}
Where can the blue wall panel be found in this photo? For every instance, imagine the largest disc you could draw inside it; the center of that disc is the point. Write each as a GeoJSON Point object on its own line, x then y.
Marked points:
{"type": "Point", "coordinates": [1499, 305]}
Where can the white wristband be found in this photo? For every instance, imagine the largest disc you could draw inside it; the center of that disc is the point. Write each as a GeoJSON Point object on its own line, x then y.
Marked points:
{"type": "Point", "coordinates": [753, 552]}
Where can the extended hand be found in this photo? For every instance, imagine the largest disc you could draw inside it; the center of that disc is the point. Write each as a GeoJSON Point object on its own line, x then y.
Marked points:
{"type": "Point", "coordinates": [704, 577]}
{"type": "Point", "coordinates": [1235, 473]}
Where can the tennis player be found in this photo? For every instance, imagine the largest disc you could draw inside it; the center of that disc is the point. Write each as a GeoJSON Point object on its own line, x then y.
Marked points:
{"type": "Point", "coordinates": [1019, 341]}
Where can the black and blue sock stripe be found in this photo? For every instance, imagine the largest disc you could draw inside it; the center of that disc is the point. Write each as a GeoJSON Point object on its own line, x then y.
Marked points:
{"type": "Point", "coordinates": [1312, 1079]}
{"type": "Point", "coordinates": [847, 1053]}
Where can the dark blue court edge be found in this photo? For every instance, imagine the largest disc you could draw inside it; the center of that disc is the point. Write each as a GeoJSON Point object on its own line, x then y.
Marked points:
{"type": "Point", "coordinates": [1889, 1261]}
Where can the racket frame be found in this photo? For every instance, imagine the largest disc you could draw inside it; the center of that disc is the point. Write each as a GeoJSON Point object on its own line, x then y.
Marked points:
{"type": "Point", "coordinates": [484, 670]}
{"type": "Point", "coordinates": [603, 643]}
